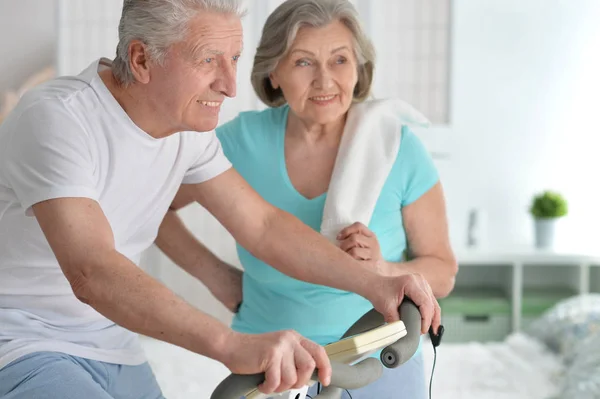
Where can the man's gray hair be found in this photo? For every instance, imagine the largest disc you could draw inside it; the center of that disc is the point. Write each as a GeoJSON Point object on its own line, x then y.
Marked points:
{"type": "Point", "coordinates": [280, 31]}
{"type": "Point", "coordinates": [159, 24]}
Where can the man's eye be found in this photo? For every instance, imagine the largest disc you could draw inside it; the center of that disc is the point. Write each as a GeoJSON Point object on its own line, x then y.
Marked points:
{"type": "Point", "coordinates": [236, 57]}
{"type": "Point", "coordinates": [208, 60]}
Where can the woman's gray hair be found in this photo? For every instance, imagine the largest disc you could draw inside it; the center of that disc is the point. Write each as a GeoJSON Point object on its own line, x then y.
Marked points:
{"type": "Point", "coordinates": [159, 24]}
{"type": "Point", "coordinates": [280, 31]}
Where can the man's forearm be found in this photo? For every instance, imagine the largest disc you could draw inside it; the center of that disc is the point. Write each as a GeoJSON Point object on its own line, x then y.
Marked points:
{"type": "Point", "coordinates": [439, 273]}
{"type": "Point", "coordinates": [182, 247]}
{"type": "Point", "coordinates": [294, 249]}
{"type": "Point", "coordinates": [125, 294]}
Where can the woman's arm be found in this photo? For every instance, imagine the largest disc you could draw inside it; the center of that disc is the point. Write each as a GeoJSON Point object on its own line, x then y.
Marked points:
{"type": "Point", "coordinates": [429, 247]}
{"type": "Point", "coordinates": [183, 248]}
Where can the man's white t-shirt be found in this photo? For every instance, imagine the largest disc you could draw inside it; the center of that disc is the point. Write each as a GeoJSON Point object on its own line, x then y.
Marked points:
{"type": "Point", "coordinates": [71, 138]}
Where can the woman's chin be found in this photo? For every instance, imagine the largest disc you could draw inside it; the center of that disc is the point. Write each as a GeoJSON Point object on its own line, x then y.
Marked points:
{"type": "Point", "coordinates": [323, 117]}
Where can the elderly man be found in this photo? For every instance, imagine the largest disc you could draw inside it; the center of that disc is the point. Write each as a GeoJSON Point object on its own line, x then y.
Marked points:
{"type": "Point", "coordinates": [89, 166]}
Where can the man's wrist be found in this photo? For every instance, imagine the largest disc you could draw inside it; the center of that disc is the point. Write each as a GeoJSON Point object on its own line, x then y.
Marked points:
{"type": "Point", "coordinates": [225, 345]}
{"type": "Point", "coordinates": [365, 283]}
{"type": "Point", "coordinates": [392, 269]}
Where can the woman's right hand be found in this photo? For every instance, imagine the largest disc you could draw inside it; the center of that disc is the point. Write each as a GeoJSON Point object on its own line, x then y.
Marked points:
{"type": "Point", "coordinates": [287, 359]}
{"type": "Point", "coordinates": [387, 293]}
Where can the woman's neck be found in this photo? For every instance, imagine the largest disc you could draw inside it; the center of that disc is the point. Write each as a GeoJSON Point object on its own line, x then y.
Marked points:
{"type": "Point", "coordinates": [315, 133]}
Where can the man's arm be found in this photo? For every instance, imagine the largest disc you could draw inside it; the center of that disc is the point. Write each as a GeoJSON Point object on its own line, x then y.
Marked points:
{"type": "Point", "coordinates": [277, 237]}
{"type": "Point", "coordinates": [101, 277]}
{"type": "Point", "coordinates": [83, 243]}
{"type": "Point", "coordinates": [284, 242]}
{"type": "Point", "coordinates": [179, 244]}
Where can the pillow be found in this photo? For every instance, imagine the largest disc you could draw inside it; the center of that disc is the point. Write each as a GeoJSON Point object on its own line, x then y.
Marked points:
{"type": "Point", "coordinates": [563, 327]}
{"type": "Point", "coordinates": [582, 378]}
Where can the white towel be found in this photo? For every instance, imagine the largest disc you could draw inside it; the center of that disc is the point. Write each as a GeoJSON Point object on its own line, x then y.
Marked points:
{"type": "Point", "coordinates": [367, 152]}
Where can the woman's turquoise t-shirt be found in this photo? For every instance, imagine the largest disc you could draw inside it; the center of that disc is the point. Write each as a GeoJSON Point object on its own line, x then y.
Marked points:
{"type": "Point", "coordinates": [254, 143]}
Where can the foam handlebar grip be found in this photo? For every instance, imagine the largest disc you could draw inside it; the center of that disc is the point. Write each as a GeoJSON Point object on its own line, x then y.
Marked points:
{"type": "Point", "coordinates": [342, 375]}
{"type": "Point", "coordinates": [403, 350]}
{"type": "Point", "coordinates": [345, 376]}
{"type": "Point", "coordinates": [330, 392]}
{"type": "Point", "coordinates": [236, 386]}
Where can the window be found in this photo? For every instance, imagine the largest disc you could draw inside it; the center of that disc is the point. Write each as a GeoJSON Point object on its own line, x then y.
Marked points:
{"type": "Point", "coordinates": [87, 30]}
{"type": "Point", "coordinates": [411, 37]}
{"type": "Point", "coordinates": [412, 41]}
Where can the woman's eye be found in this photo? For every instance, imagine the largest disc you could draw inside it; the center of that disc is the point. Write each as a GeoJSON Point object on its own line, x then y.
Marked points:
{"type": "Point", "coordinates": [302, 63]}
{"type": "Point", "coordinates": [341, 60]}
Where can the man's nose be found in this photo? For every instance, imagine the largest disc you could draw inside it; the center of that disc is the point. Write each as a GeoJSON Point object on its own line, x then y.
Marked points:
{"type": "Point", "coordinates": [226, 80]}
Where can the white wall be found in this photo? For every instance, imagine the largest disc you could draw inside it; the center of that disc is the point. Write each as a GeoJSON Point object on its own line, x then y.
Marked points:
{"type": "Point", "coordinates": [27, 40]}
{"type": "Point", "coordinates": [525, 98]}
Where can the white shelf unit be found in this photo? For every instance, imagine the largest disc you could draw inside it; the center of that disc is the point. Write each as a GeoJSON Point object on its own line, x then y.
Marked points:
{"type": "Point", "coordinates": [517, 271]}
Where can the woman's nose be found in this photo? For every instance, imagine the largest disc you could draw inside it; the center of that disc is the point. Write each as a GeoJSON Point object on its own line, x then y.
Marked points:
{"type": "Point", "coordinates": [323, 80]}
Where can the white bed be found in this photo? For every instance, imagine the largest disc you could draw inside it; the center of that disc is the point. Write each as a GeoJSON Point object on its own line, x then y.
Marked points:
{"type": "Point", "coordinates": [518, 368]}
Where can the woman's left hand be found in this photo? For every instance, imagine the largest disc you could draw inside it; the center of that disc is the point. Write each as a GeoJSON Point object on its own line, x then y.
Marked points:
{"type": "Point", "coordinates": [362, 244]}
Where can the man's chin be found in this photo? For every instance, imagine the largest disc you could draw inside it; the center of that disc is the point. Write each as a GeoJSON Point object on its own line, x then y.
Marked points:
{"type": "Point", "coordinates": [205, 126]}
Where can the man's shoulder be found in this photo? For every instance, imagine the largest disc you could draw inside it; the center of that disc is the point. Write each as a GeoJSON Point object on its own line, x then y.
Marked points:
{"type": "Point", "coordinates": [60, 88]}
{"type": "Point", "coordinates": [44, 114]}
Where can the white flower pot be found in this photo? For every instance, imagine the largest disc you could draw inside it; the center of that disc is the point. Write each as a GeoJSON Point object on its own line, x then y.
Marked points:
{"type": "Point", "coordinates": [545, 233]}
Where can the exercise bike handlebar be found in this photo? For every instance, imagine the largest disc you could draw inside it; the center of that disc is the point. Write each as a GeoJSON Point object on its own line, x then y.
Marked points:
{"type": "Point", "coordinates": [346, 376]}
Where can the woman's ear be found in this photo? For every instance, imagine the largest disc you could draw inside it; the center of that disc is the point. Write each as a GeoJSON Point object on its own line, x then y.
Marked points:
{"type": "Point", "coordinates": [273, 80]}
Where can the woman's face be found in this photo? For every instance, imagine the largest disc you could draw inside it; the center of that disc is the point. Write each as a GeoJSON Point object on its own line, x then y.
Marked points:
{"type": "Point", "coordinates": [319, 73]}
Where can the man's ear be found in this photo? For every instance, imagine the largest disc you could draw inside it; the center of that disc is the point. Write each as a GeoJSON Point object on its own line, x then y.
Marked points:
{"type": "Point", "coordinates": [139, 62]}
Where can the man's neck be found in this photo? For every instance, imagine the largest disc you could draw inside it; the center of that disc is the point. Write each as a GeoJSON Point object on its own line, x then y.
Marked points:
{"type": "Point", "coordinates": [137, 106]}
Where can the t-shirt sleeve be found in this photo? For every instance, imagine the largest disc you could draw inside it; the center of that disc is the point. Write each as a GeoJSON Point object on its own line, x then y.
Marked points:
{"type": "Point", "coordinates": [48, 156]}
{"type": "Point", "coordinates": [210, 160]}
{"type": "Point", "coordinates": [418, 173]}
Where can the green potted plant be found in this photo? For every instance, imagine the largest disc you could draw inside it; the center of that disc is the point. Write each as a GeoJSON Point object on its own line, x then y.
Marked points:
{"type": "Point", "coordinates": [546, 208]}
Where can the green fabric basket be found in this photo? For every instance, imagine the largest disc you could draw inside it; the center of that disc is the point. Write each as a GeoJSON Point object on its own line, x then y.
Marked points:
{"type": "Point", "coordinates": [476, 301]}
{"type": "Point", "coordinates": [536, 300]}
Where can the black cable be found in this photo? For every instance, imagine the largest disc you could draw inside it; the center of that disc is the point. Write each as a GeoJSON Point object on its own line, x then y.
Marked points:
{"type": "Point", "coordinates": [432, 370]}
{"type": "Point", "coordinates": [436, 339]}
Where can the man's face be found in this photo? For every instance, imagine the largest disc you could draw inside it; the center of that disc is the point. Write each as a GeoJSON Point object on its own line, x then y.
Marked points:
{"type": "Point", "coordinates": [198, 73]}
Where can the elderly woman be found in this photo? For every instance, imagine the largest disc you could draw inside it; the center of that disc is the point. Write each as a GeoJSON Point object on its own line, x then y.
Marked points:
{"type": "Point", "coordinates": [313, 63]}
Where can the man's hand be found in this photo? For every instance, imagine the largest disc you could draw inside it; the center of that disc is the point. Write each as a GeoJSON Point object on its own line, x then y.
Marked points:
{"type": "Point", "coordinates": [287, 359]}
{"type": "Point", "coordinates": [387, 295]}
